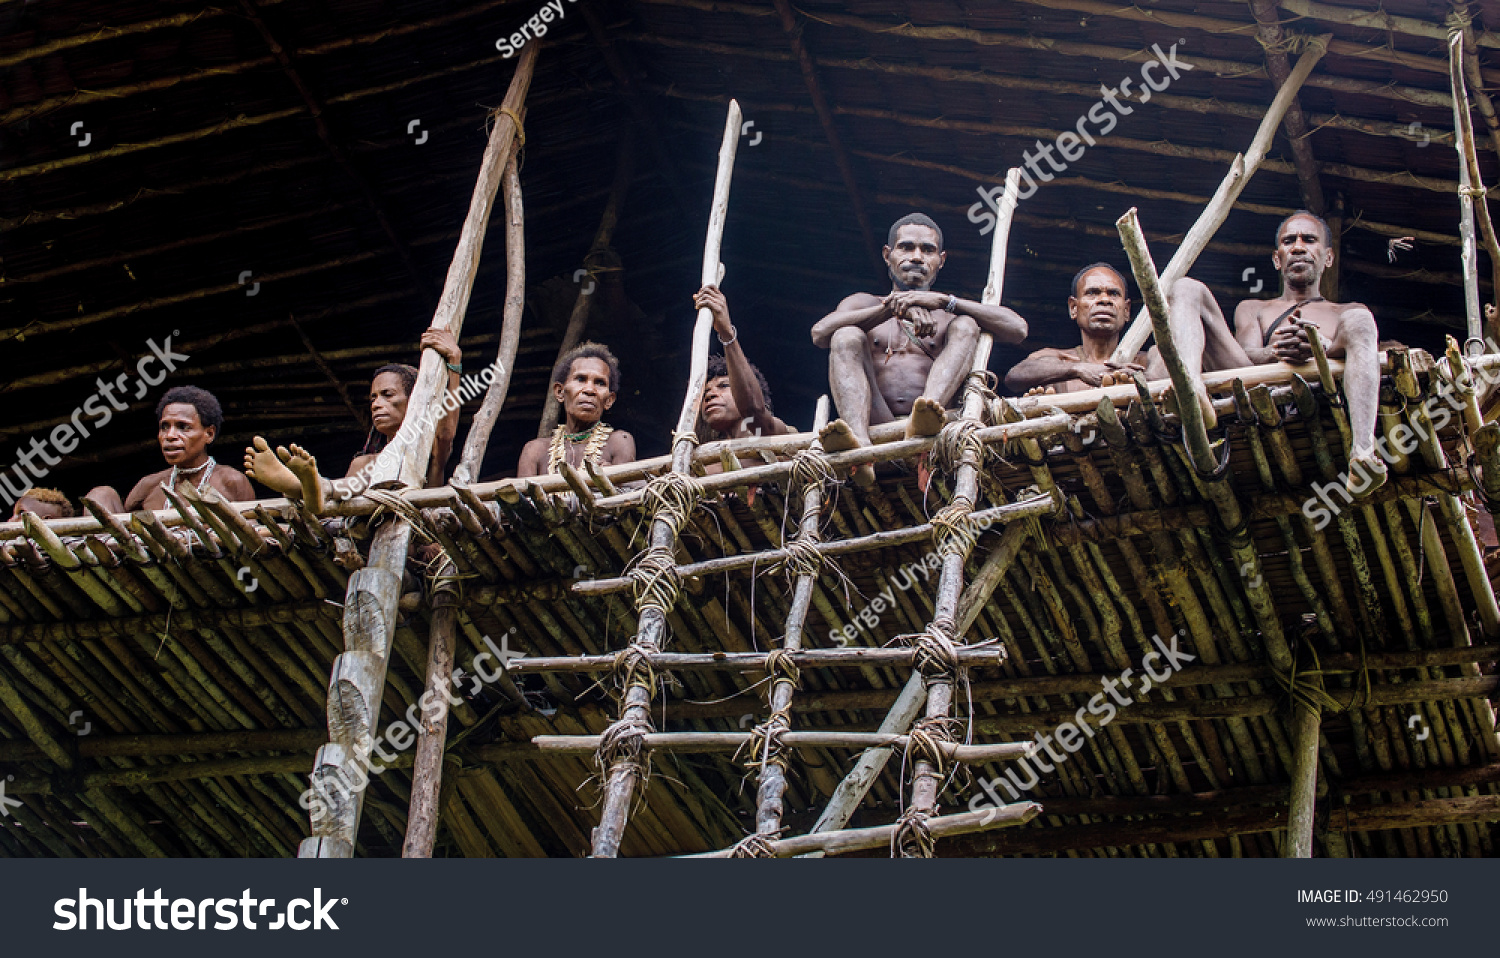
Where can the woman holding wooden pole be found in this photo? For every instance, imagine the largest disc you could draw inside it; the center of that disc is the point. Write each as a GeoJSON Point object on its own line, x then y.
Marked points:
{"type": "Point", "coordinates": [673, 496]}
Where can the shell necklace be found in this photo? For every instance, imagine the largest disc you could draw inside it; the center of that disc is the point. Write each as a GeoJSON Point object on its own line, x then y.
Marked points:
{"type": "Point", "coordinates": [593, 438]}
{"type": "Point", "coordinates": [207, 469]}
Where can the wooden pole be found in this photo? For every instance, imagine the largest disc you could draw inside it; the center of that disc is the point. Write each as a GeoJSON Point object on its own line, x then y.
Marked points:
{"type": "Point", "coordinates": [358, 675]}
{"type": "Point", "coordinates": [1471, 185]}
{"type": "Point", "coordinates": [1194, 431]}
{"type": "Point", "coordinates": [856, 839]}
{"type": "Point", "coordinates": [432, 736]}
{"type": "Point", "coordinates": [1472, 309]}
{"type": "Point", "coordinates": [478, 440]}
{"type": "Point", "coordinates": [771, 788]}
{"type": "Point", "coordinates": [913, 836]}
{"type": "Point", "coordinates": [584, 304]}
{"type": "Point", "coordinates": [1299, 829]}
{"type": "Point", "coordinates": [635, 706]}
{"type": "Point", "coordinates": [1240, 170]}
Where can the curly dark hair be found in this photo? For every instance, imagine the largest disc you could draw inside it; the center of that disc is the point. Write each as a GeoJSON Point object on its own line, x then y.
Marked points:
{"type": "Point", "coordinates": [599, 351]}
{"type": "Point", "coordinates": [210, 413]}
{"type": "Point", "coordinates": [914, 219]}
{"type": "Point", "coordinates": [719, 366]}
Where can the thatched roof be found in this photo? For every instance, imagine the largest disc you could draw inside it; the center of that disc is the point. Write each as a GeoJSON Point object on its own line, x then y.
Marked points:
{"type": "Point", "coordinates": [204, 161]}
{"type": "Point", "coordinates": [277, 138]}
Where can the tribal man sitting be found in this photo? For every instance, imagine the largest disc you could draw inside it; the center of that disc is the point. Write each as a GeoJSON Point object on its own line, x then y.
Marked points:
{"type": "Point", "coordinates": [905, 353]}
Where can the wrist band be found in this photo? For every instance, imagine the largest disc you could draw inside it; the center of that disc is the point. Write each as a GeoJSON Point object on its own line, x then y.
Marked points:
{"type": "Point", "coordinates": [733, 335]}
{"type": "Point", "coordinates": [455, 368]}
{"type": "Point", "coordinates": [952, 306]}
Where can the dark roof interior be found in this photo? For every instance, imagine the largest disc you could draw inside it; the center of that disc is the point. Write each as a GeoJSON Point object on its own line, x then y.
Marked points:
{"type": "Point", "coordinates": [200, 161]}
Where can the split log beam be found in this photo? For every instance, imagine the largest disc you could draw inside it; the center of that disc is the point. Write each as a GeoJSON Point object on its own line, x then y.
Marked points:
{"type": "Point", "coordinates": [793, 30]}
{"type": "Point", "coordinates": [358, 675]}
{"type": "Point", "coordinates": [1275, 42]}
{"type": "Point", "coordinates": [1304, 797]}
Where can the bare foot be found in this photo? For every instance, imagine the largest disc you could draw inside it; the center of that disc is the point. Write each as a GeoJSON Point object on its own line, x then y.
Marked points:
{"type": "Point", "coordinates": [838, 437]}
{"type": "Point", "coordinates": [1366, 473]}
{"type": "Point", "coordinates": [926, 418]}
{"type": "Point", "coordinates": [1041, 391]}
{"type": "Point", "coordinates": [305, 468]}
{"type": "Point", "coordinates": [1205, 404]}
{"type": "Point", "coordinates": [262, 465]}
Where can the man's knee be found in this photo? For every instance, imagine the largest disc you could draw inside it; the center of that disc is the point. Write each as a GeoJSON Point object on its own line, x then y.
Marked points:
{"type": "Point", "coordinates": [963, 330]}
{"type": "Point", "coordinates": [1187, 290]}
{"type": "Point", "coordinates": [850, 339]}
{"type": "Point", "coordinates": [1357, 326]}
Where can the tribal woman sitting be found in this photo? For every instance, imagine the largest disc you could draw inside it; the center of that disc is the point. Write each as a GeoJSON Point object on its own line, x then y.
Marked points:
{"type": "Point", "coordinates": [585, 381]}
{"type": "Point", "coordinates": [293, 471]}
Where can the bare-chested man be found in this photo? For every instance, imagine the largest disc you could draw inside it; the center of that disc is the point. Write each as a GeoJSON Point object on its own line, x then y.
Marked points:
{"type": "Point", "coordinates": [1100, 306]}
{"type": "Point", "coordinates": [585, 380]}
{"type": "Point", "coordinates": [906, 353]}
{"type": "Point", "coordinates": [1267, 331]}
{"type": "Point", "coordinates": [188, 420]}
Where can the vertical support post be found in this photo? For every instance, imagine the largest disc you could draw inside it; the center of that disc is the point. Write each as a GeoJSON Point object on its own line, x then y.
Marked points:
{"type": "Point", "coordinates": [432, 736]}
{"type": "Point", "coordinates": [1470, 186]}
{"type": "Point", "coordinates": [341, 768]}
{"type": "Point", "coordinates": [954, 539]}
{"type": "Point", "coordinates": [1299, 829]}
{"type": "Point", "coordinates": [673, 496]}
{"type": "Point", "coordinates": [783, 675]}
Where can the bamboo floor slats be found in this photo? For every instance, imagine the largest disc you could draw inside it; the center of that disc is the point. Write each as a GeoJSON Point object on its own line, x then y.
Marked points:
{"type": "Point", "coordinates": [162, 678]}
